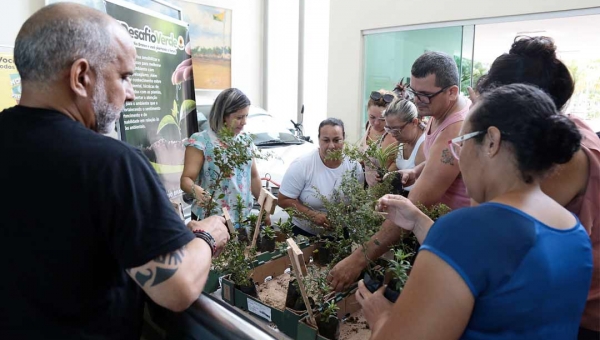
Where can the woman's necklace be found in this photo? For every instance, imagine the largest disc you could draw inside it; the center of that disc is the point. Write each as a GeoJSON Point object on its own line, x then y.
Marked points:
{"type": "Point", "coordinates": [373, 136]}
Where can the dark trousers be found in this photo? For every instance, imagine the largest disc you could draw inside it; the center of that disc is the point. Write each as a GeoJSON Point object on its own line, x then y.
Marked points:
{"type": "Point", "coordinates": [299, 231]}
{"type": "Point", "coordinates": [586, 334]}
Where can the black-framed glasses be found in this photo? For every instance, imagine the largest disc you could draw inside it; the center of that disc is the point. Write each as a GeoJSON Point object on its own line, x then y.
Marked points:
{"type": "Point", "coordinates": [387, 98]}
{"type": "Point", "coordinates": [395, 131]}
{"type": "Point", "coordinates": [425, 98]}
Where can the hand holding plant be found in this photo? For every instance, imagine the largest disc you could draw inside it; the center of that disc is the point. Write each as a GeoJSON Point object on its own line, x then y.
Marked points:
{"type": "Point", "coordinates": [402, 212]}
{"type": "Point", "coordinates": [216, 227]}
{"type": "Point", "coordinates": [376, 308]}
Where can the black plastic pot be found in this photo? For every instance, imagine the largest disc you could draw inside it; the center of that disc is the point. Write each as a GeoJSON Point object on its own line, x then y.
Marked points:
{"type": "Point", "coordinates": [324, 255]}
{"type": "Point", "coordinates": [249, 290]}
{"type": "Point", "coordinates": [397, 187]}
{"type": "Point", "coordinates": [374, 284]}
{"type": "Point", "coordinates": [294, 299]}
{"type": "Point", "coordinates": [243, 235]}
{"type": "Point", "coordinates": [267, 244]}
{"type": "Point", "coordinates": [293, 294]}
{"type": "Point", "coordinates": [329, 329]}
{"type": "Point", "coordinates": [390, 293]}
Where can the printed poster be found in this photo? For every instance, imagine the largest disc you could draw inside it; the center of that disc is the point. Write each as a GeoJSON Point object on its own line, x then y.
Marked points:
{"type": "Point", "coordinates": [10, 81]}
{"type": "Point", "coordinates": [163, 113]}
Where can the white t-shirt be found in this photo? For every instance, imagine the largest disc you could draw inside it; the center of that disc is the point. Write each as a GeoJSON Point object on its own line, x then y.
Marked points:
{"type": "Point", "coordinates": [403, 164]}
{"type": "Point", "coordinates": [308, 172]}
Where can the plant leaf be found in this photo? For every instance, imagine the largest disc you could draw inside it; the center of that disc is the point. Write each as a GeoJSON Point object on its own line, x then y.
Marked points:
{"type": "Point", "coordinates": [166, 120]}
{"type": "Point", "coordinates": [187, 106]}
{"type": "Point", "coordinates": [174, 109]}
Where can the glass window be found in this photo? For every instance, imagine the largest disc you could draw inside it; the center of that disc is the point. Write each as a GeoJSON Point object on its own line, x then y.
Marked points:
{"type": "Point", "coordinates": [388, 57]}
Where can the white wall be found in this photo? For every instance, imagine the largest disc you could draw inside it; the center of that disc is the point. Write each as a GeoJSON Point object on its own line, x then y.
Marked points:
{"type": "Point", "coordinates": [282, 86]}
{"type": "Point", "coordinates": [349, 17]}
{"type": "Point", "coordinates": [12, 17]}
{"type": "Point", "coordinates": [246, 63]}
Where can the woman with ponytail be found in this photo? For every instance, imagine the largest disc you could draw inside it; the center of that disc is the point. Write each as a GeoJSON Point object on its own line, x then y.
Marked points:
{"type": "Point", "coordinates": [518, 265]}
{"type": "Point", "coordinates": [575, 184]}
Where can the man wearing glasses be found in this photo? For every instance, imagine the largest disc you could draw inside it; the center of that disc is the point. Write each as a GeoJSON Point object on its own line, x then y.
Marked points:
{"type": "Point", "coordinates": [434, 83]}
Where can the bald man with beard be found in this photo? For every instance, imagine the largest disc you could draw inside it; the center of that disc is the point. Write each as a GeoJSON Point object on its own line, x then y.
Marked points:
{"type": "Point", "coordinates": [87, 231]}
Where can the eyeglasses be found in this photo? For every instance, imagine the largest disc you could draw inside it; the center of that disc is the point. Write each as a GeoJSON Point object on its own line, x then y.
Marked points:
{"type": "Point", "coordinates": [426, 98]}
{"type": "Point", "coordinates": [455, 144]}
{"type": "Point", "coordinates": [387, 98]}
{"type": "Point", "coordinates": [395, 131]}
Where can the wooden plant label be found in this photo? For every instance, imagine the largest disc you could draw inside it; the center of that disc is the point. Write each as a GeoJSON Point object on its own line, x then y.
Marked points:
{"type": "Point", "coordinates": [297, 259]}
{"type": "Point", "coordinates": [227, 217]}
{"type": "Point", "coordinates": [267, 203]}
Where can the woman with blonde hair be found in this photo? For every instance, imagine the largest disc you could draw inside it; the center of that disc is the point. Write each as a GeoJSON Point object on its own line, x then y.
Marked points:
{"type": "Point", "coordinates": [403, 123]}
{"type": "Point", "coordinates": [375, 132]}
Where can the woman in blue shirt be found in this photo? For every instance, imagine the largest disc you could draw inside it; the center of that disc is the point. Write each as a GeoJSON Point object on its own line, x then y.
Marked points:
{"type": "Point", "coordinates": [518, 266]}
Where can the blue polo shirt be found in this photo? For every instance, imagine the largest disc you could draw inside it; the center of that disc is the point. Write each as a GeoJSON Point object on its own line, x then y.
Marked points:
{"type": "Point", "coordinates": [529, 280]}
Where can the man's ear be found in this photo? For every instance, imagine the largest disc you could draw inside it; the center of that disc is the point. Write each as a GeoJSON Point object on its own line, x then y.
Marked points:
{"type": "Point", "coordinates": [453, 91]}
{"type": "Point", "coordinates": [80, 77]}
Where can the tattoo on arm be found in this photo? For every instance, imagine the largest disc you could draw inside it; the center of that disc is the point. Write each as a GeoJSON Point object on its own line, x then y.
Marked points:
{"type": "Point", "coordinates": [447, 157]}
{"type": "Point", "coordinates": [164, 267]}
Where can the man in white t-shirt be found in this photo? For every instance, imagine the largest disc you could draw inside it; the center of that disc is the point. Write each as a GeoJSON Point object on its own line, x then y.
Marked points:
{"type": "Point", "coordinates": [313, 172]}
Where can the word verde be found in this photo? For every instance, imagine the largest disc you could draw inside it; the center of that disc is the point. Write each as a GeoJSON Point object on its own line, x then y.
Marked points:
{"type": "Point", "coordinates": [154, 36]}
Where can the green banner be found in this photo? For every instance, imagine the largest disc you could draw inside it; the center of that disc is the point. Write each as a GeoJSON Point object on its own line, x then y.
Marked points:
{"type": "Point", "coordinates": [163, 113]}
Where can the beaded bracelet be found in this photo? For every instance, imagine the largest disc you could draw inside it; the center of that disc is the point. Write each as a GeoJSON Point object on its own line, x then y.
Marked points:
{"type": "Point", "coordinates": [206, 237]}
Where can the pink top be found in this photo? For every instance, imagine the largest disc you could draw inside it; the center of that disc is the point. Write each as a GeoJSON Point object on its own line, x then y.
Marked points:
{"type": "Point", "coordinates": [456, 195]}
{"type": "Point", "coordinates": [587, 209]}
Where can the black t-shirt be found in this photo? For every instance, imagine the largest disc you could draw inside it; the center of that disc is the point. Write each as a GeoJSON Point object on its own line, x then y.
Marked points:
{"type": "Point", "coordinates": [77, 209]}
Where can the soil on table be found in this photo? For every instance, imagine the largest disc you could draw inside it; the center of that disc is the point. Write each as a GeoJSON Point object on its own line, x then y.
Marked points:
{"type": "Point", "coordinates": [274, 292]}
{"type": "Point", "coordinates": [355, 327]}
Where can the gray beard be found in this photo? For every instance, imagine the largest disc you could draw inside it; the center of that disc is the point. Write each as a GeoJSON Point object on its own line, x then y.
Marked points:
{"type": "Point", "coordinates": [106, 114]}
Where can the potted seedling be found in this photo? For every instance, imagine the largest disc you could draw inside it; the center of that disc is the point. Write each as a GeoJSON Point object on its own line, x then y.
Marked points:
{"type": "Point", "coordinates": [234, 260]}
{"type": "Point", "coordinates": [374, 157]}
{"type": "Point", "coordinates": [328, 322]}
{"type": "Point", "coordinates": [267, 243]}
{"type": "Point", "coordinates": [399, 267]}
{"type": "Point", "coordinates": [351, 215]}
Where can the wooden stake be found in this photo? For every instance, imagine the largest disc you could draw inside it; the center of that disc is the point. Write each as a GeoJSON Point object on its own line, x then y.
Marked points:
{"type": "Point", "coordinates": [230, 226]}
{"type": "Point", "coordinates": [267, 203]}
{"type": "Point", "coordinates": [299, 267]}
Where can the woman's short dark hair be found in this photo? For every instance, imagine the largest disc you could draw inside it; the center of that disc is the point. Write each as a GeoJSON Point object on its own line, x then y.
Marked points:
{"type": "Point", "coordinates": [528, 119]}
{"type": "Point", "coordinates": [332, 122]}
{"type": "Point", "coordinates": [229, 101]}
{"type": "Point", "coordinates": [531, 60]}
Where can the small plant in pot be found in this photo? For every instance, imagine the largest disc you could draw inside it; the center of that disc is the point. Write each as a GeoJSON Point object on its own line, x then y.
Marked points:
{"type": "Point", "coordinates": [374, 157]}
{"type": "Point", "coordinates": [351, 215]}
{"type": "Point", "coordinates": [235, 261]}
{"type": "Point", "coordinates": [328, 322]}
{"type": "Point", "coordinates": [294, 300]}
{"type": "Point", "coordinates": [323, 254]}
{"type": "Point", "coordinates": [399, 268]}
{"type": "Point", "coordinates": [267, 243]}
{"type": "Point", "coordinates": [404, 255]}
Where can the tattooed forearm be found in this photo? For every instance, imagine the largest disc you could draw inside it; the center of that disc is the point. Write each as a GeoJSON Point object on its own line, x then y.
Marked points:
{"type": "Point", "coordinates": [447, 157]}
{"type": "Point", "coordinates": [162, 268]}
{"type": "Point", "coordinates": [173, 258]}
{"type": "Point", "coordinates": [142, 278]}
